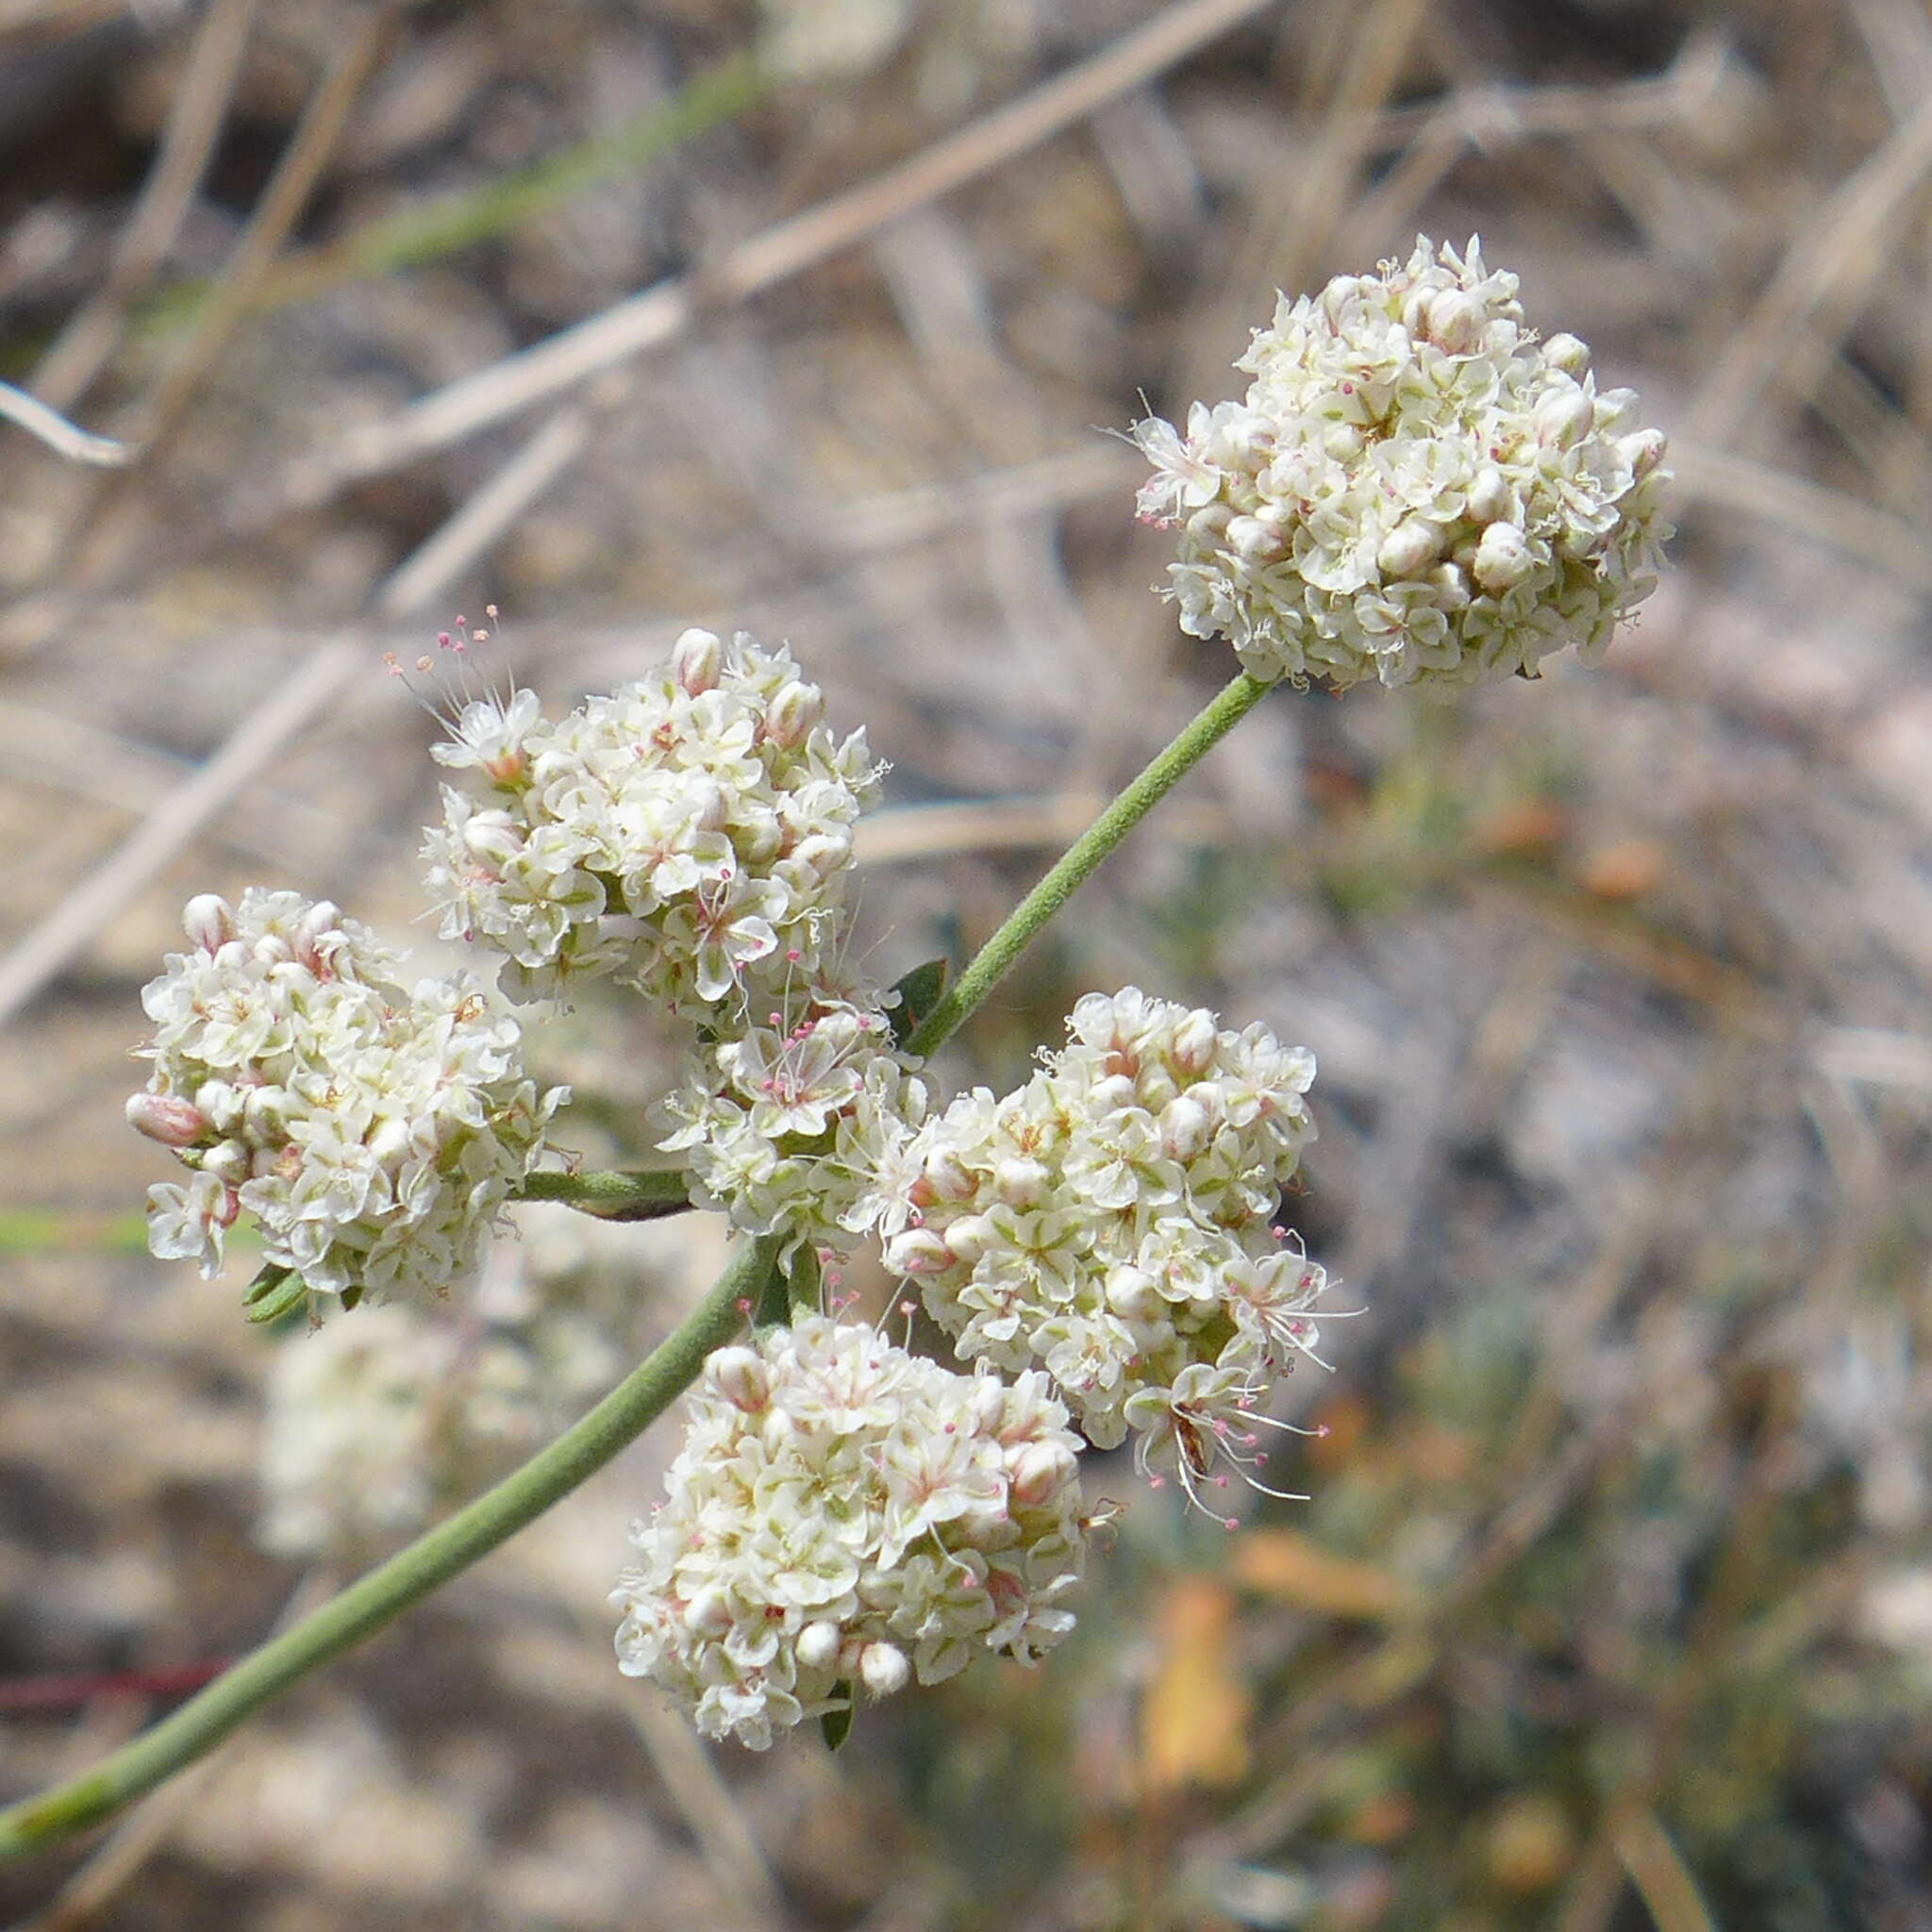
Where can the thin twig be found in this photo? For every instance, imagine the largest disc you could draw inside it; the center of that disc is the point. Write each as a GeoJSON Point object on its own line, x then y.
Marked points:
{"type": "Point", "coordinates": [47, 425]}
{"type": "Point", "coordinates": [647, 320]}
{"type": "Point", "coordinates": [187, 140]}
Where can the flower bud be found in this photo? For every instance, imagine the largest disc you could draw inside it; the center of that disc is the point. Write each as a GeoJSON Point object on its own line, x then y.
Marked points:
{"type": "Point", "coordinates": [494, 836]}
{"type": "Point", "coordinates": [1037, 1472]}
{"type": "Point", "coordinates": [970, 1237]}
{"type": "Point", "coordinates": [1454, 322]}
{"type": "Point", "coordinates": [320, 923]}
{"type": "Point", "coordinates": [1565, 352]}
{"type": "Point", "coordinates": [1194, 1041]}
{"type": "Point", "coordinates": [792, 712]}
{"type": "Point", "coordinates": [1131, 1292]}
{"type": "Point", "coordinates": [1253, 541]}
{"type": "Point", "coordinates": [740, 1376]}
{"type": "Point", "coordinates": [1113, 1093]}
{"type": "Point", "coordinates": [1186, 1127]}
{"type": "Point", "coordinates": [707, 1613]}
{"type": "Point", "coordinates": [1564, 419]}
{"type": "Point", "coordinates": [696, 660]}
{"type": "Point", "coordinates": [883, 1669]}
{"type": "Point", "coordinates": [1344, 441]}
{"type": "Point", "coordinates": [1501, 559]}
{"type": "Point", "coordinates": [819, 1643]}
{"type": "Point", "coordinates": [1020, 1182]}
{"type": "Point", "coordinates": [949, 1177]}
{"type": "Point", "coordinates": [208, 921]}
{"type": "Point", "coordinates": [167, 1117]}
{"type": "Point", "coordinates": [1413, 543]}
{"type": "Point", "coordinates": [916, 1252]}
{"type": "Point", "coordinates": [229, 1161]}
{"type": "Point", "coordinates": [1643, 451]}
{"type": "Point", "coordinates": [1488, 496]}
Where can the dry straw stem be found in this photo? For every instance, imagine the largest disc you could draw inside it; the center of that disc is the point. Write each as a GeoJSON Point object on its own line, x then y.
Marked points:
{"type": "Point", "coordinates": [194, 126]}
{"type": "Point", "coordinates": [1824, 277]}
{"type": "Point", "coordinates": [654, 316]}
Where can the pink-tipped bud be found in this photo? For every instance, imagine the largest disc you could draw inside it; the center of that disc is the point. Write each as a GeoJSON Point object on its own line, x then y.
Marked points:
{"type": "Point", "coordinates": [1643, 451]}
{"type": "Point", "coordinates": [1194, 1041]}
{"type": "Point", "coordinates": [817, 1644]}
{"type": "Point", "coordinates": [883, 1669]}
{"type": "Point", "coordinates": [918, 1252]}
{"type": "Point", "coordinates": [696, 660]}
{"type": "Point", "coordinates": [742, 1377]}
{"type": "Point", "coordinates": [1038, 1472]}
{"type": "Point", "coordinates": [208, 921]}
{"type": "Point", "coordinates": [792, 712]}
{"type": "Point", "coordinates": [168, 1118]}
{"type": "Point", "coordinates": [1253, 541]}
{"type": "Point", "coordinates": [1453, 322]}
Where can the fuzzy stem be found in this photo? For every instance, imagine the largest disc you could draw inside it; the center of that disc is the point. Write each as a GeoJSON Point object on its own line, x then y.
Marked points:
{"type": "Point", "coordinates": [623, 1194]}
{"type": "Point", "coordinates": [990, 963]}
{"type": "Point", "coordinates": [386, 1590]}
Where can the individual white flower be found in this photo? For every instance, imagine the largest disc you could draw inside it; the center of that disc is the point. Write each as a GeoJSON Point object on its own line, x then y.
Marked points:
{"type": "Point", "coordinates": [689, 834]}
{"type": "Point", "coordinates": [372, 1131]}
{"type": "Point", "coordinates": [1414, 488]}
{"type": "Point", "coordinates": [844, 1515]}
{"type": "Point", "coordinates": [797, 1126]}
{"type": "Point", "coordinates": [1113, 1222]}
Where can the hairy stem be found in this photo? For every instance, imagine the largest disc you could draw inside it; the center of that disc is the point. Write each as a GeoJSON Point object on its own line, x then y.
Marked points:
{"type": "Point", "coordinates": [389, 1590]}
{"type": "Point", "coordinates": [991, 962]}
{"type": "Point", "coordinates": [750, 1281]}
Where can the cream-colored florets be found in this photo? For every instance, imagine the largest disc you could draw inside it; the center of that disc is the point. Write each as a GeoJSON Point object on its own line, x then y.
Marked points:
{"type": "Point", "coordinates": [794, 1126]}
{"type": "Point", "coordinates": [372, 1130]}
{"type": "Point", "coordinates": [845, 1517]}
{"type": "Point", "coordinates": [1416, 489]}
{"type": "Point", "coordinates": [1113, 1222]}
{"type": "Point", "coordinates": [375, 1423]}
{"type": "Point", "coordinates": [689, 834]}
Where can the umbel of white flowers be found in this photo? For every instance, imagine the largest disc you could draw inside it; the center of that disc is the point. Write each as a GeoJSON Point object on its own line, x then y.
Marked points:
{"type": "Point", "coordinates": [845, 1517]}
{"type": "Point", "coordinates": [373, 1131]}
{"type": "Point", "coordinates": [1113, 1221]}
{"type": "Point", "coordinates": [1415, 488]}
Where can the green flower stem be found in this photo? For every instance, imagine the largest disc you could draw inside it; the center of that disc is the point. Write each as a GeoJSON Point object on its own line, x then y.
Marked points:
{"type": "Point", "coordinates": [749, 1281]}
{"type": "Point", "coordinates": [392, 1588]}
{"type": "Point", "coordinates": [991, 962]}
{"type": "Point", "coordinates": [629, 1195]}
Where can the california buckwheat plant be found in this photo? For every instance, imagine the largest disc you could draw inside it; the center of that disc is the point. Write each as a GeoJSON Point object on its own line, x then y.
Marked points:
{"type": "Point", "coordinates": [1418, 489]}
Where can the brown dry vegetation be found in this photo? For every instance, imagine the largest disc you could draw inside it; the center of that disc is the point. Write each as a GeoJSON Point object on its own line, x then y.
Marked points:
{"type": "Point", "coordinates": [1614, 1605]}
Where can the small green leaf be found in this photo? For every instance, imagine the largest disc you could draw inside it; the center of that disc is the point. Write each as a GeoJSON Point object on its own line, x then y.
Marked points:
{"type": "Point", "coordinates": [836, 1725]}
{"type": "Point", "coordinates": [802, 1283]}
{"type": "Point", "coordinates": [918, 992]}
{"type": "Point", "coordinates": [273, 1293]}
{"type": "Point", "coordinates": [629, 1194]}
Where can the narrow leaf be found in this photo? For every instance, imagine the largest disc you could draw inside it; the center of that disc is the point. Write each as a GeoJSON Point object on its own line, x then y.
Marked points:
{"type": "Point", "coordinates": [918, 992]}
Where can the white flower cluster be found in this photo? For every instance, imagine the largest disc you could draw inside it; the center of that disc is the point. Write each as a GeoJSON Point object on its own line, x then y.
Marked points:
{"type": "Point", "coordinates": [1113, 1222]}
{"type": "Point", "coordinates": [843, 1516]}
{"type": "Point", "coordinates": [677, 834]}
{"type": "Point", "coordinates": [790, 1125]}
{"type": "Point", "coordinates": [1415, 489]}
{"type": "Point", "coordinates": [373, 1425]}
{"type": "Point", "coordinates": [372, 1131]}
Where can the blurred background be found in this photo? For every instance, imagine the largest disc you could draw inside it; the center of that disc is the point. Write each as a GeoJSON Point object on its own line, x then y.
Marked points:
{"type": "Point", "coordinates": [1613, 1607]}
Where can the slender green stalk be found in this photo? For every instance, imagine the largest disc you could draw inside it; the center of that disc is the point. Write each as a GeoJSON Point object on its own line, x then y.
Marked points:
{"type": "Point", "coordinates": [749, 1281]}
{"type": "Point", "coordinates": [639, 1194]}
{"type": "Point", "coordinates": [389, 1590]}
{"type": "Point", "coordinates": [990, 963]}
